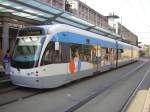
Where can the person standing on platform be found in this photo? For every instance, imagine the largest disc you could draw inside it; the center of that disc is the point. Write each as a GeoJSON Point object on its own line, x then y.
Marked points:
{"type": "Point", "coordinates": [6, 63]}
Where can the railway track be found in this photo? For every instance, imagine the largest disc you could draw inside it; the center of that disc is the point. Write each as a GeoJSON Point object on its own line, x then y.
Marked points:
{"type": "Point", "coordinates": [5, 82]}
{"type": "Point", "coordinates": [6, 86]}
{"type": "Point", "coordinates": [18, 93]}
{"type": "Point", "coordinates": [132, 95]}
{"type": "Point", "coordinates": [98, 92]}
{"type": "Point", "coordinates": [8, 89]}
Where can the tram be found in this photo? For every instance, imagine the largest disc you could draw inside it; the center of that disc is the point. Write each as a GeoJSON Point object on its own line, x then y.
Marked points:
{"type": "Point", "coordinates": [49, 56]}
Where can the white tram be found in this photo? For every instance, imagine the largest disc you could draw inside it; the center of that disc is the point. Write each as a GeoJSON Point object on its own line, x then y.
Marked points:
{"type": "Point", "coordinates": [49, 56]}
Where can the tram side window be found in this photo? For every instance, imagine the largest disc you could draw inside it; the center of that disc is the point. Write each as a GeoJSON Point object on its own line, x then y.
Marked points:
{"type": "Point", "coordinates": [76, 51]}
{"type": "Point", "coordinates": [51, 55]}
{"type": "Point", "coordinates": [65, 56]}
{"type": "Point", "coordinates": [87, 53]}
{"type": "Point", "coordinates": [120, 51]}
{"type": "Point", "coordinates": [83, 52]}
{"type": "Point", "coordinates": [47, 56]}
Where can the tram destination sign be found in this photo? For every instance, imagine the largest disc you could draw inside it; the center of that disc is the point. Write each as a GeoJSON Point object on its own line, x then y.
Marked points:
{"type": "Point", "coordinates": [30, 32]}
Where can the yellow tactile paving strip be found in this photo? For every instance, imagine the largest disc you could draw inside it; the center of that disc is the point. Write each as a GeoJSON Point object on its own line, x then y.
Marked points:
{"type": "Point", "coordinates": [141, 102]}
{"type": "Point", "coordinates": [147, 102]}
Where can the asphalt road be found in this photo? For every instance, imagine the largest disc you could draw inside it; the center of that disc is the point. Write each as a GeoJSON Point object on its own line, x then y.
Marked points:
{"type": "Point", "coordinates": [60, 99]}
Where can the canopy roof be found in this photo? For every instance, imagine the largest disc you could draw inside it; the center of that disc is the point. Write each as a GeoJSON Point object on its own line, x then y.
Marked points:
{"type": "Point", "coordinates": [44, 14]}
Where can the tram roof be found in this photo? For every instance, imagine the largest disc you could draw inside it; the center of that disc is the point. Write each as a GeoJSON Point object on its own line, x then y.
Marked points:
{"type": "Point", "coordinates": [123, 45]}
{"type": "Point", "coordinates": [42, 13]}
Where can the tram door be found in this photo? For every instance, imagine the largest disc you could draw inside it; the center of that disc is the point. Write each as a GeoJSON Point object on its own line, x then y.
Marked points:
{"type": "Point", "coordinates": [96, 58]}
{"type": "Point", "coordinates": [107, 57]}
{"type": "Point", "coordinates": [111, 55]}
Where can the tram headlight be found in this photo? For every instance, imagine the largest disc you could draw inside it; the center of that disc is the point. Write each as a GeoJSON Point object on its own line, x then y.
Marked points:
{"type": "Point", "coordinates": [34, 38]}
{"type": "Point", "coordinates": [27, 40]}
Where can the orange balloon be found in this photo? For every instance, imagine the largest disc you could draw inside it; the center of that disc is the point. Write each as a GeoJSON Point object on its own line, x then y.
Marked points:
{"type": "Point", "coordinates": [72, 66]}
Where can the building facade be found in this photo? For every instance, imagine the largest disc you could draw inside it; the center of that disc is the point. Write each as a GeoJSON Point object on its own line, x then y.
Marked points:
{"type": "Point", "coordinates": [127, 36]}
{"type": "Point", "coordinates": [80, 10]}
{"type": "Point", "coordinates": [88, 14]}
{"type": "Point", "coordinates": [55, 3]}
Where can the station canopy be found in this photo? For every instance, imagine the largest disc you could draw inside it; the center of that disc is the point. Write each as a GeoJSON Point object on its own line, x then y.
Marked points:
{"type": "Point", "coordinates": [43, 13]}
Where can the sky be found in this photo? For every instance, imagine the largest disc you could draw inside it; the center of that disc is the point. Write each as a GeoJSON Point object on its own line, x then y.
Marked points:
{"type": "Point", "coordinates": [134, 13]}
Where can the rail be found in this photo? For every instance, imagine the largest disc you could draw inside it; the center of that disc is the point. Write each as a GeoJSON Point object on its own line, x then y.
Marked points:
{"type": "Point", "coordinates": [87, 99]}
{"type": "Point", "coordinates": [127, 106]}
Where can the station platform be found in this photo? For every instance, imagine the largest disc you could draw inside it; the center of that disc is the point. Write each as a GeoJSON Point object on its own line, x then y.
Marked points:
{"type": "Point", "coordinates": [1, 68]}
{"type": "Point", "coordinates": [2, 74]}
{"type": "Point", "coordinates": [141, 102]}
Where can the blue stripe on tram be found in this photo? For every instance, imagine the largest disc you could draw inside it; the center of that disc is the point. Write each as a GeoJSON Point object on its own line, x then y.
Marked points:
{"type": "Point", "coordinates": [69, 37]}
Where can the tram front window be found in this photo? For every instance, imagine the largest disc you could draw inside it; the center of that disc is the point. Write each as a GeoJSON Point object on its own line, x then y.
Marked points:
{"type": "Point", "coordinates": [27, 51]}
